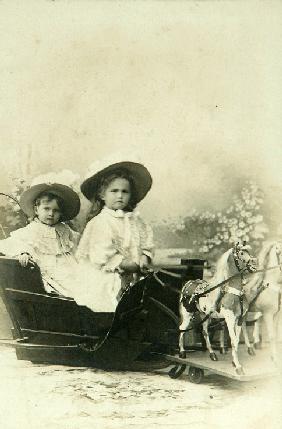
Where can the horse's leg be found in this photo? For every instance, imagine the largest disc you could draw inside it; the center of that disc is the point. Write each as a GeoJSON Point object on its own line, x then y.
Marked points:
{"type": "Point", "coordinates": [185, 320]}
{"type": "Point", "coordinates": [250, 348]}
{"type": "Point", "coordinates": [233, 330]}
{"type": "Point", "coordinates": [276, 324]}
{"type": "Point", "coordinates": [238, 329]}
{"type": "Point", "coordinates": [222, 341]}
{"type": "Point", "coordinates": [207, 339]}
{"type": "Point", "coordinates": [256, 334]}
{"type": "Point", "coordinates": [277, 316]}
{"type": "Point", "coordinates": [269, 321]}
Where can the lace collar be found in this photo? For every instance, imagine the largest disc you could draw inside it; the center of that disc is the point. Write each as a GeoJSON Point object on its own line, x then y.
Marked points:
{"type": "Point", "coordinates": [51, 230]}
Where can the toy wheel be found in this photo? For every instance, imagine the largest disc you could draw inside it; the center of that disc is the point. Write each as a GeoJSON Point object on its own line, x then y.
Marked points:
{"type": "Point", "coordinates": [177, 371]}
{"type": "Point", "coordinates": [195, 375]}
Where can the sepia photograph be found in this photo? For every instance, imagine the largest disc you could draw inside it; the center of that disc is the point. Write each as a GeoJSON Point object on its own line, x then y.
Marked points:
{"type": "Point", "coordinates": [140, 214]}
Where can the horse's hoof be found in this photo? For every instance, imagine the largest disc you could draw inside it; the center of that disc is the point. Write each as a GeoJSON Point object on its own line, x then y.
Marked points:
{"type": "Point", "coordinates": [177, 371]}
{"type": "Point", "coordinates": [223, 350]}
{"type": "Point", "coordinates": [251, 351]}
{"type": "Point", "coordinates": [213, 356]}
{"type": "Point", "coordinates": [257, 346]}
{"type": "Point", "coordinates": [239, 371]}
{"type": "Point", "coordinates": [182, 355]}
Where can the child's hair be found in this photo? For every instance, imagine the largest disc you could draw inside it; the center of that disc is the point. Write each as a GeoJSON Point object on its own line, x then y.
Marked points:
{"type": "Point", "coordinates": [48, 196]}
{"type": "Point", "coordinates": [98, 203]}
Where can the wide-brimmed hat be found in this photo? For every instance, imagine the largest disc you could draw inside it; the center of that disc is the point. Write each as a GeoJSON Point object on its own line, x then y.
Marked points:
{"type": "Point", "coordinates": [139, 173]}
{"type": "Point", "coordinates": [70, 198]}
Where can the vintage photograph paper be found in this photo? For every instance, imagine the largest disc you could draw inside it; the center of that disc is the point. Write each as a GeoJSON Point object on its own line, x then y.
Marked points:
{"type": "Point", "coordinates": [140, 214]}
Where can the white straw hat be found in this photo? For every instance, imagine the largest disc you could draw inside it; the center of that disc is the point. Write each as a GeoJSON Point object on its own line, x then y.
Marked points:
{"type": "Point", "coordinates": [70, 198]}
{"type": "Point", "coordinates": [139, 173]}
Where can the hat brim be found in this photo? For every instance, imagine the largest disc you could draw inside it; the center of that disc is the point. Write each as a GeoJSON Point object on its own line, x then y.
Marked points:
{"type": "Point", "coordinates": [141, 176]}
{"type": "Point", "coordinates": [70, 198]}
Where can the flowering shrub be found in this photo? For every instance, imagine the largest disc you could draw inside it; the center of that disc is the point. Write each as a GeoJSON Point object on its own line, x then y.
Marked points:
{"type": "Point", "coordinates": [205, 233]}
{"type": "Point", "coordinates": [213, 232]}
{"type": "Point", "coordinates": [11, 215]}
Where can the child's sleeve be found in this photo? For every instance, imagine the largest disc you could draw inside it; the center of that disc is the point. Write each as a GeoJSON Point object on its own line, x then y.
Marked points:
{"type": "Point", "coordinates": [97, 246]}
{"type": "Point", "coordinates": [17, 243]}
{"type": "Point", "coordinates": [147, 240]}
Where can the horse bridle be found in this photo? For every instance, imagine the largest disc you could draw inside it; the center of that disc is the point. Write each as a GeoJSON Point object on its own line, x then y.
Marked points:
{"type": "Point", "coordinates": [236, 255]}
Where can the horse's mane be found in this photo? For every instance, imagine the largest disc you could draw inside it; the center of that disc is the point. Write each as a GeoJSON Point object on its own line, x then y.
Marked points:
{"type": "Point", "coordinates": [222, 271]}
{"type": "Point", "coordinates": [265, 251]}
{"type": "Point", "coordinates": [264, 261]}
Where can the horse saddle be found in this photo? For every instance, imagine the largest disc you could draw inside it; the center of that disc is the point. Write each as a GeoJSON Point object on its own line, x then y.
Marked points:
{"type": "Point", "coordinates": [192, 291]}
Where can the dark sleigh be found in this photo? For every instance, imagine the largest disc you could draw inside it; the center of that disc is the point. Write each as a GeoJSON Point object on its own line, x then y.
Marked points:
{"type": "Point", "coordinates": [54, 329]}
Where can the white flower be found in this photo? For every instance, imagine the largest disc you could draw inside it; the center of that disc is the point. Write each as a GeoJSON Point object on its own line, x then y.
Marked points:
{"type": "Point", "coordinates": [259, 230]}
{"type": "Point", "coordinates": [251, 220]}
{"type": "Point", "coordinates": [64, 177]}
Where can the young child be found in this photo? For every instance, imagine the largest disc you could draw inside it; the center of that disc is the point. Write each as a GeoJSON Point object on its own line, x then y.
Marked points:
{"type": "Point", "coordinates": [46, 240]}
{"type": "Point", "coordinates": [116, 244]}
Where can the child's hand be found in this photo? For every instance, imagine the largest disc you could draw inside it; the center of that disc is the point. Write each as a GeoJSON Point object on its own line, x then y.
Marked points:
{"type": "Point", "coordinates": [24, 259]}
{"type": "Point", "coordinates": [129, 266]}
{"type": "Point", "coordinates": [144, 264]}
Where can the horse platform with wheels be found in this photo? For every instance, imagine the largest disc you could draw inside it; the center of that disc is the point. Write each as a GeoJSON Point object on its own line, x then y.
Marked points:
{"type": "Point", "coordinates": [198, 364]}
{"type": "Point", "coordinates": [141, 335]}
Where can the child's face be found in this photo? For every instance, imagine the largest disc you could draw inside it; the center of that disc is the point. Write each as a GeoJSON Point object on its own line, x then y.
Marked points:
{"type": "Point", "coordinates": [117, 194]}
{"type": "Point", "coordinates": [48, 212]}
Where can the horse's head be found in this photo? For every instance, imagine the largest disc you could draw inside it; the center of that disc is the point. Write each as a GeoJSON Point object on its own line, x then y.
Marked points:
{"type": "Point", "coordinates": [243, 258]}
{"type": "Point", "coordinates": [277, 248]}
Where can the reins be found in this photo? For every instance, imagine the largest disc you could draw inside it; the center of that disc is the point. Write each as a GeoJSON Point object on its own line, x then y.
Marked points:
{"type": "Point", "coordinates": [207, 316]}
{"type": "Point", "coordinates": [213, 287]}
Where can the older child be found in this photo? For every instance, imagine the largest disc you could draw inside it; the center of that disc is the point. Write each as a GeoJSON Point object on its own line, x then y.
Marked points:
{"type": "Point", "coordinates": [46, 240]}
{"type": "Point", "coordinates": [116, 244]}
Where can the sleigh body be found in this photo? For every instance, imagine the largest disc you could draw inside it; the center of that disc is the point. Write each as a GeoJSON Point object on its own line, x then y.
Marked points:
{"type": "Point", "coordinates": [54, 329]}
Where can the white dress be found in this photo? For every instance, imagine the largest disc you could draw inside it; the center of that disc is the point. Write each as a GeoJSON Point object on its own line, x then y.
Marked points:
{"type": "Point", "coordinates": [107, 239]}
{"type": "Point", "coordinates": [51, 247]}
